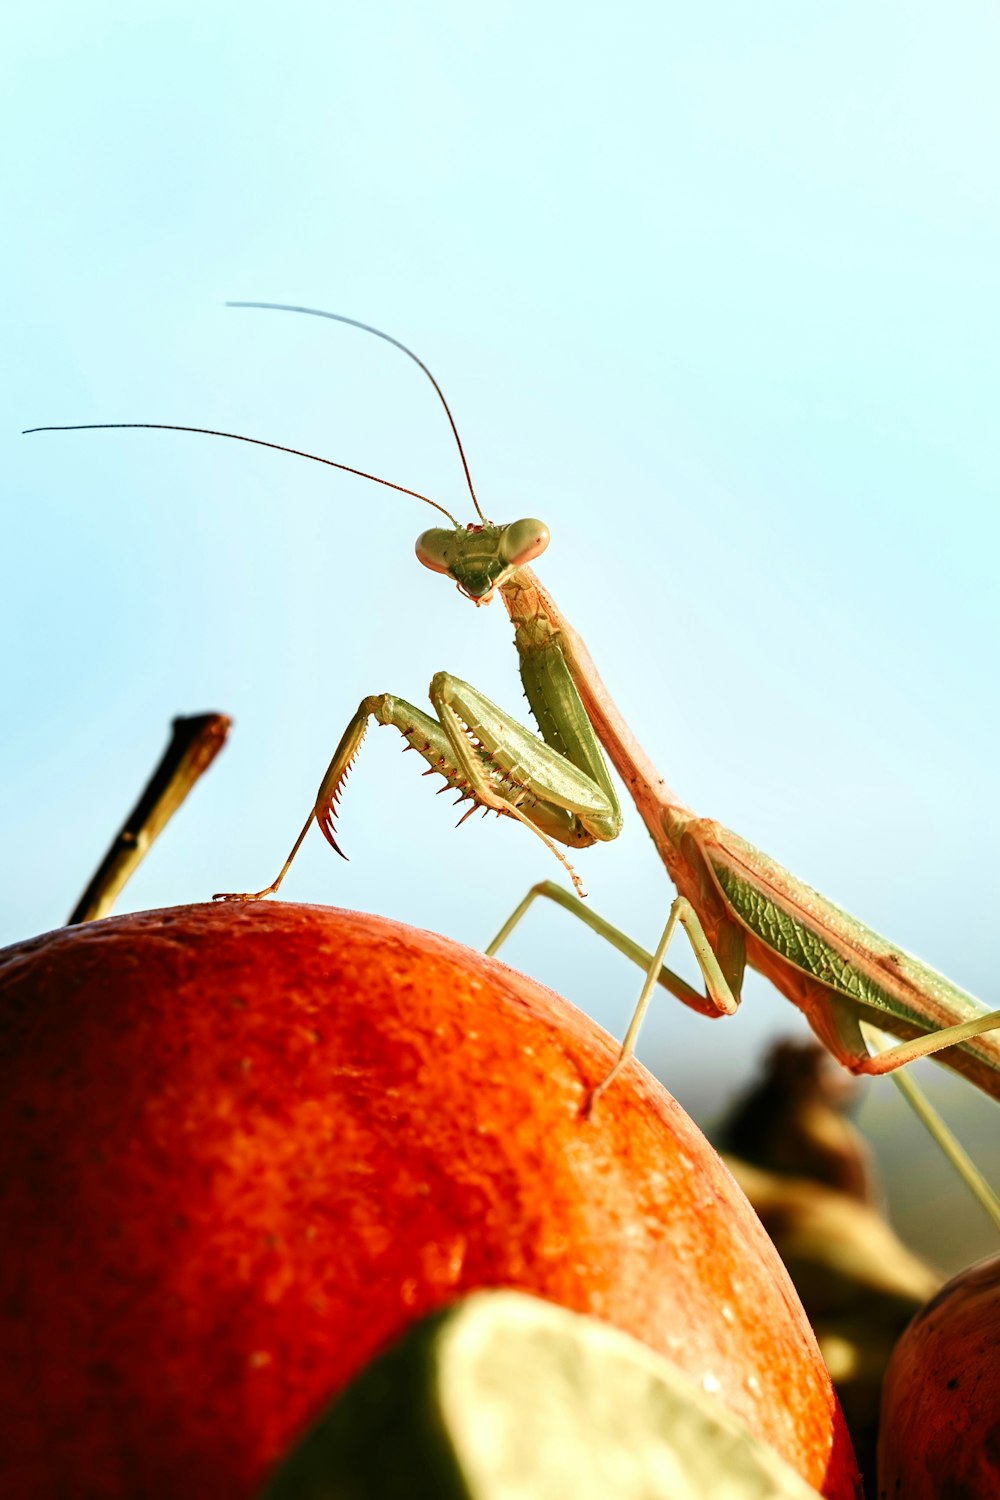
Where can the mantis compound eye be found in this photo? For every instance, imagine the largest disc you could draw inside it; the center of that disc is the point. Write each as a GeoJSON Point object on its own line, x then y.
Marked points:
{"type": "Point", "coordinates": [434, 549]}
{"type": "Point", "coordinates": [523, 540]}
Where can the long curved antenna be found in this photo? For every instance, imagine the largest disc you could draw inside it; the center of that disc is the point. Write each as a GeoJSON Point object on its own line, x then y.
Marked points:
{"type": "Point", "coordinates": [239, 438]}
{"type": "Point", "coordinates": [317, 312]}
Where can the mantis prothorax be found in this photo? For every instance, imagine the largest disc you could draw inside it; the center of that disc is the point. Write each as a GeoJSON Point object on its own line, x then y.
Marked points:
{"type": "Point", "coordinates": [736, 904]}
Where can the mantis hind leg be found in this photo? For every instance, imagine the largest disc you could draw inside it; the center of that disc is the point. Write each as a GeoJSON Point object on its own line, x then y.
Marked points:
{"type": "Point", "coordinates": [883, 1046]}
{"type": "Point", "coordinates": [859, 1043]}
{"type": "Point", "coordinates": [926, 1046]}
{"type": "Point", "coordinates": [845, 1029]}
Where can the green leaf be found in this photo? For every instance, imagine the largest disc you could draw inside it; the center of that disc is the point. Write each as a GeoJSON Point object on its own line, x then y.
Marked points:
{"type": "Point", "coordinates": [507, 1397]}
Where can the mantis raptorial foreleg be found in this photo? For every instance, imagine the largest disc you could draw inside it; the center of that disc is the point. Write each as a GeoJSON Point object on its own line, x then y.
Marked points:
{"type": "Point", "coordinates": [484, 755]}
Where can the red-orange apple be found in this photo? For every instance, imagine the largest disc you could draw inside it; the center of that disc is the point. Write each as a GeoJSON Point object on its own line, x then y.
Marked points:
{"type": "Point", "coordinates": [243, 1147]}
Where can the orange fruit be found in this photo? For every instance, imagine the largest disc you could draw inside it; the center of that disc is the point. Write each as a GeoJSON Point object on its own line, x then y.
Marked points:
{"type": "Point", "coordinates": [244, 1147]}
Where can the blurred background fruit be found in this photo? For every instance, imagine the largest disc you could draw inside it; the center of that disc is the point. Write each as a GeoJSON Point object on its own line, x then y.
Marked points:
{"type": "Point", "coordinates": [940, 1426]}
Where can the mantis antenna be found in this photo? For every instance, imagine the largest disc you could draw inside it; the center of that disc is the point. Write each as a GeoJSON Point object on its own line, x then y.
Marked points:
{"type": "Point", "coordinates": [259, 442]}
{"type": "Point", "coordinates": [317, 312]}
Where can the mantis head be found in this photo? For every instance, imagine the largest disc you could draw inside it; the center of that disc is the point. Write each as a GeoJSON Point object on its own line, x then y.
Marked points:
{"type": "Point", "coordinates": [482, 557]}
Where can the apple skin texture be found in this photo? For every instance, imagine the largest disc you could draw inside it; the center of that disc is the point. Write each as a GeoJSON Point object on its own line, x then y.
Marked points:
{"type": "Point", "coordinates": [939, 1434]}
{"type": "Point", "coordinates": [243, 1147]}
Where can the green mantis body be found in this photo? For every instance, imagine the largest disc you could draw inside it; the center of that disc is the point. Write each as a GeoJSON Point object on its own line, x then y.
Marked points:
{"type": "Point", "coordinates": [736, 904]}
{"type": "Point", "coordinates": [739, 906]}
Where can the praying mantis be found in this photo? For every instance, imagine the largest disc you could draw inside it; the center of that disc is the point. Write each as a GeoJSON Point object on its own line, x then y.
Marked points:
{"type": "Point", "coordinates": [737, 905]}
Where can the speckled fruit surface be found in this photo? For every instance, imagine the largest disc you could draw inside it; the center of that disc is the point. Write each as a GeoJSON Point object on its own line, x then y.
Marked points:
{"type": "Point", "coordinates": [939, 1434]}
{"type": "Point", "coordinates": [243, 1147]}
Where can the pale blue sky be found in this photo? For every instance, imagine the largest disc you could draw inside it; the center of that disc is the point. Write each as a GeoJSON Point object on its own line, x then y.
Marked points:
{"type": "Point", "coordinates": [711, 289]}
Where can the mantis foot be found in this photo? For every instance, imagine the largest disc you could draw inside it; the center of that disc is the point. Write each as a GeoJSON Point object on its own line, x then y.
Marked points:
{"type": "Point", "coordinates": [590, 1103]}
{"type": "Point", "coordinates": [245, 895]}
